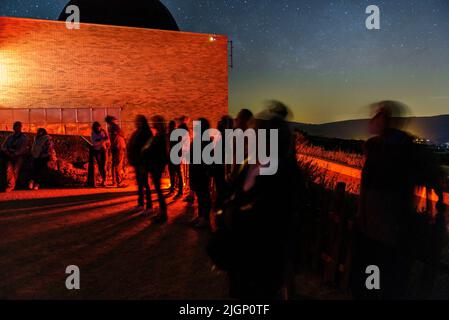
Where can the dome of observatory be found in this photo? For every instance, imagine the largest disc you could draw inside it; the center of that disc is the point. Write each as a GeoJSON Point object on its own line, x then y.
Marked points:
{"type": "Point", "coordinates": [150, 14]}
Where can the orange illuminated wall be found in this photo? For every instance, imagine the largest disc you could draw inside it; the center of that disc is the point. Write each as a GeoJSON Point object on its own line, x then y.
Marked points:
{"type": "Point", "coordinates": [43, 64]}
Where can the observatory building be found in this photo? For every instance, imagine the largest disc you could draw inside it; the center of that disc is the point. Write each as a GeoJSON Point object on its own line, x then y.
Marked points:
{"type": "Point", "coordinates": [66, 78]}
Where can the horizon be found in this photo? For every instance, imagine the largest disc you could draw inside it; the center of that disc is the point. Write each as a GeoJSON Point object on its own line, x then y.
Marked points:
{"type": "Point", "coordinates": [368, 118]}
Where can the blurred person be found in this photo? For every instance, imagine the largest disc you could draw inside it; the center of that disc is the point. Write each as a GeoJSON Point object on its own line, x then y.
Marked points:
{"type": "Point", "coordinates": [175, 170]}
{"type": "Point", "coordinates": [243, 119]}
{"type": "Point", "coordinates": [182, 123]}
{"type": "Point", "coordinates": [200, 184]}
{"type": "Point", "coordinates": [386, 218]}
{"type": "Point", "coordinates": [140, 137]}
{"type": "Point", "coordinates": [42, 152]}
{"type": "Point", "coordinates": [255, 243]}
{"type": "Point", "coordinates": [100, 144]}
{"type": "Point", "coordinates": [220, 172]}
{"type": "Point", "coordinates": [155, 154]}
{"type": "Point", "coordinates": [118, 151]}
{"type": "Point", "coordinates": [14, 149]}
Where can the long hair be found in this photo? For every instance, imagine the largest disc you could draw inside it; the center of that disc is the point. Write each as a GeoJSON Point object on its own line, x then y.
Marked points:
{"type": "Point", "coordinates": [96, 126]}
{"type": "Point", "coordinates": [41, 132]}
{"type": "Point", "coordinates": [142, 123]}
{"type": "Point", "coordinates": [158, 123]}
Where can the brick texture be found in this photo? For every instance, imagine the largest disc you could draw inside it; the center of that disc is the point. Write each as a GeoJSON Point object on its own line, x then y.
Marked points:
{"type": "Point", "coordinates": [43, 64]}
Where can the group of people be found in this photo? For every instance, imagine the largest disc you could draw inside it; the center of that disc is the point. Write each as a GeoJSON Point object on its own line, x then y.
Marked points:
{"type": "Point", "coordinates": [256, 216]}
{"type": "Point", "coordinates": [103, 141]}
{"type": "Point", "coordinates": [15, 150]}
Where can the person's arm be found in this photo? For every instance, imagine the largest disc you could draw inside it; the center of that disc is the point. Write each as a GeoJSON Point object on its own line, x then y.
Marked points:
{"type": "Point", "coordinates": [107, 139]}
{"type": "Point", "coordinates": [4, 145]}
{"type": "Point", "coordinates": [94, 140]}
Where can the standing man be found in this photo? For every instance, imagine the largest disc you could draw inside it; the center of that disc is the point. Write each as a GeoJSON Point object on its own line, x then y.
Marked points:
{"type": "Point", "coordinates": [174, 169]}
{"type": "Point", "coordinates": [100, 144]}
{"type": "Point", "coordinates": [183, 124]}
{"type": "Point", "coordinates": [386, 206]}
{"type": "Point", "coordinates": [118, 150]}
{"type": "Point", "coordinates": [14, 149]}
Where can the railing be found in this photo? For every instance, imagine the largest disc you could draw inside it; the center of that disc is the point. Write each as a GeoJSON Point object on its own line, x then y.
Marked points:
{"type": "Point", "coordinates": [66, 121]}
{"type": "Point", "coordinates": [328, 237]}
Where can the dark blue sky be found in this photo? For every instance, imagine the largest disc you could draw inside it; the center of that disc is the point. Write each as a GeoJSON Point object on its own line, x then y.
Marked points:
{"type": "Point", "coordinates": [317, 56]}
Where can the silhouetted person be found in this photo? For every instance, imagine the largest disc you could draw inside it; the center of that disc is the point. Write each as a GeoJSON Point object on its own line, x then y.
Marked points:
{"type": "Point", "coordinates": [386, 215]}
{"type": "Point", "coordinates": [243, 119]}
{"type": "Point", "coordinates": [118, 151]}
{"type": "Point", "coordinates": [174, 169]}
{"type": "Point", "coordinates": [155, 154]}
{"type": "Point", "coordinates": [183, 124]}
{"type": "Point", "coordinates": [42, 152]}
{"type": "Point", "coordinates": [260, 219]}
{"type": "Point", "coordinates": [141, 137]}
{"type": "Point", "coordinates": [100, 144]}
{"type": "Point", "coordinates": [200, 183]}
{"type": "Point", "coordinates": [14, 150]}
{"type": "Point", "coordinates": [221, 172]}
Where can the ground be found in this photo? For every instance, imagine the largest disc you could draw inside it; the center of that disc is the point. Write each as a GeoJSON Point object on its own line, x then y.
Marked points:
{"type": "Point", "coordinates": [121, 255]}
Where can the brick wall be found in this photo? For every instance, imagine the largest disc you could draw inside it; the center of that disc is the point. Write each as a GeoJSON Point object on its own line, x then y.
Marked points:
{"type": "Point", "coordinates": [43, 64]}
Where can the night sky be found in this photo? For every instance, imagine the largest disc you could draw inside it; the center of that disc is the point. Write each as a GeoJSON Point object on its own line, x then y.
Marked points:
{"type": "Point", "coordinates": [317, 56]}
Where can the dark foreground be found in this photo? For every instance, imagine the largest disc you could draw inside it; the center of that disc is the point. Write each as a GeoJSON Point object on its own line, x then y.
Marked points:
{"type": "Point", "coordinates": [121, 255]}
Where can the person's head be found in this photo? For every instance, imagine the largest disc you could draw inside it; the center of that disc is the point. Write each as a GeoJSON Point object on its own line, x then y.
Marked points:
{"type": "Point", "coordinates": [158, 125]}
{"type": "Point", "coordinates": [274, 118]}
{"type": "Point", "coordinates": [387, 115]}
{"type": "Point", "coordinates": [41, 132]}
{"type": "Point", "coordinates": [205, 125]}
{"type": "Point", "coordinates": [182, 120]}
{"type": "Point", "coordinates": [285, 136]}
{"type": "Point", "coordinates": [243, 118]}
{"type": "Point", "coordinates": [110, 119]}
{"type": "Point", "coordinates": [279, 109]}
{"type": "Point", "coordinates": [141, 123]}
{"type": "Point", "coordinates": [226, 122]}
{"type": "Point", "coordinates": [171, 125]}
{"type": "Point", "coordinates": [17, 127]}
{"type": "Point", "coordinates": [96, 127]}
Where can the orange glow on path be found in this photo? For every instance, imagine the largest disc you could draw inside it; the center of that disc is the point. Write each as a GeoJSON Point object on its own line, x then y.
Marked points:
{"type": "Point", "coordinates": [355, 173]}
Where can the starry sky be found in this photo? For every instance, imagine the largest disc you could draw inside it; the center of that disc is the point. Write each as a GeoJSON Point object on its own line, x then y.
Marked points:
{"type": "Point", "coordinates": [315, 55]}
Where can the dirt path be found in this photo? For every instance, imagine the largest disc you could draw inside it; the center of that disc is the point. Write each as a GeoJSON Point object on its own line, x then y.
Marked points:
{"type": "Point", "coordinates": [121, 255]}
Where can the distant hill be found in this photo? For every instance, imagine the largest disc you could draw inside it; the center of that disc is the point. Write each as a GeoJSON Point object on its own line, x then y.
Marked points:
{"type": "Point", "coordinates": [434, 128]}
